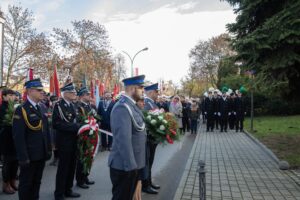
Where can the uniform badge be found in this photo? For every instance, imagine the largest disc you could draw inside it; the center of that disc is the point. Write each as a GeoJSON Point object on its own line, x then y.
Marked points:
{"type": "Point", "coordinates": [17, 117]}
{"type": "Point", "coordinates": [32, 115]}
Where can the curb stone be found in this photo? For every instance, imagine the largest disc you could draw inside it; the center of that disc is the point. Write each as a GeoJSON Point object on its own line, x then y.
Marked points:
{"type": "Point", "coordinates": [261, 145]}
{"type": "Point", "coordinates": [187, 168]}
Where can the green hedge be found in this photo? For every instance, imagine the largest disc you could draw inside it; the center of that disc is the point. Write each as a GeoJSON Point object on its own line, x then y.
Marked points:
{"type": "Point", "coordinates": [272, 106]}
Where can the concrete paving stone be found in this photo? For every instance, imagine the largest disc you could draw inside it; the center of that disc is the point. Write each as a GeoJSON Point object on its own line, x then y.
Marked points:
{"type": "Point", "coordinates": [226, 193]}
{"type": "Point", "coordinates": [217, 194]}
{"type": "Point", "coordinates": [268, 197]}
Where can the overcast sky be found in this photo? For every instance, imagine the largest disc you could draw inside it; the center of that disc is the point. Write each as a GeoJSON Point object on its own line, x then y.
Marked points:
{"type": "Point", "coordinates": [169, 28]}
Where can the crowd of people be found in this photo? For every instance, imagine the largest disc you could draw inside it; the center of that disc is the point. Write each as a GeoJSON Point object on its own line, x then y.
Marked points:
{"type": "Point", "coordinates": [45, 126]}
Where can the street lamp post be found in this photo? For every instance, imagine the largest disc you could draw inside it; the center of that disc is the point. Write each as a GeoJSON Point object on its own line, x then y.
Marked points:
{"type": "Point", "coordinates": [132, 59]}
{"type": "Point", "coordinates": [2, 21]}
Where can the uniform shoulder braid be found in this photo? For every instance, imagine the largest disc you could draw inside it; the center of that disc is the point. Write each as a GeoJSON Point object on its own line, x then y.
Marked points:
{"type": "Point", "coordinates": [30, 126]}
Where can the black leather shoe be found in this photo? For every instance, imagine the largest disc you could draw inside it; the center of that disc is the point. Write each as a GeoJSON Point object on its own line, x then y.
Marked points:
{"type": "Point", "coordinates": [157, 187]}
{"type": "Point", "coordinates": [83, 185]}
{"type": "Point", "coordinates": [149, 190]}
{"type": "Point", "coordinates": [72, 194]}
{"type": "Point", "coordinates": [88, 182]}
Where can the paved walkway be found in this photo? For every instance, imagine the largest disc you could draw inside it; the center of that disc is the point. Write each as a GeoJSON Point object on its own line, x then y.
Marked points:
{"type": "Point", "coordinates": [237, 168]}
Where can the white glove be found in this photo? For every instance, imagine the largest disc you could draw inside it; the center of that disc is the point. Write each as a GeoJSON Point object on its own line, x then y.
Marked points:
{"type": "Point", "coordinates": [245, 113]}
{"type": "Point", "coordinates": [215, 113]}
{"type": "Point", "coordinates": [229, 113]}
{"type": "Point", "coordinates": [219, 113]}
{"type": "Point", "coordinates": [234, 113]}
{"type": "Point", "coordinates": [205, 113]}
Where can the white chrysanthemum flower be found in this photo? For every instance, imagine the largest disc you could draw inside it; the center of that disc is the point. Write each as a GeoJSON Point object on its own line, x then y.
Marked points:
{"type": "Point", "coordinates": [91, 132]}
{"type": "Point", "coordinates": [162, 127]}
{"type": "Point", "coordinates": [153, 121]}
{"type": "Point", "coordinates": [165, 121]}
{"type": "Point", "coordinates": [160, 118]}
{"type": "Point", "coordinates": [149, 117]}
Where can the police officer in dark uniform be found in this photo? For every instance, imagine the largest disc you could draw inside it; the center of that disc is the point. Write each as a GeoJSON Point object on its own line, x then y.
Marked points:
{"type": "Point", "coordinates": [209, 111]}
{"type": "Point", "coordinates": [84, 109]}
{"type": "Point", "coordinates": [127, 156]}
{"type": "Point", "coordinates": [32, 141]}
{"type": "Point", "coordinates": [65, 122]}
{"type": "Point", "coordinates": [147, 185]}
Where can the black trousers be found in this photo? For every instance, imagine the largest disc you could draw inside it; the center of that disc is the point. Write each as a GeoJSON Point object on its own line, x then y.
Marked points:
{"type": "Point", "coordinates": [65, 172]}
{"type": "Point", "coordinates": [124, 183]}
{"type": "Point", "coordinates": [217, 121]}
{"type": "Point", "coordinates": [239, 124]}
{"type": "Point", "coordinates": [223, 123]}
{"type": "Point", "coordinates": [151, 147]}
{"type": "Point", "coordinates": [194, 124]}
{"type": "Point", "coordinates": [186, 124]}
{"type": "Point", "coordinates": [30, 180]}
{"type": "Point", "coordinates": [9, 169]}
{"type": "Point", "coordinates": [231, 120]}
{"type": "Point", "coordinates": [81, 177]}
{"type": "Point", "coordinates": [210, 122]}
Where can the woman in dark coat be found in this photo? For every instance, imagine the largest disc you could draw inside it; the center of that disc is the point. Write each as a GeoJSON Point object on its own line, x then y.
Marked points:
{"type": "Point", "coordinates": [10, 163]}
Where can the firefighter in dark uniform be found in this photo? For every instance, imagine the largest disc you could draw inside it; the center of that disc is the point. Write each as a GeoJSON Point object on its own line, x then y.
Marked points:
{"type": "Point", "coordinates": [147, 185]}
{"type": "Point", "coordinates": [239, 110]}
{"type": "Point", "coordinates": [231, 118]}
{"type": "Point", "coordinates": [84, 109]}
{"type": "Point", "coordinates": [32, 141]}
{"type": "Point", "coordinates": [65, 122]}
{"type": "Point", "coordinates": [209, 111]}
{"type": "Point", "coordinates": [224, 110]}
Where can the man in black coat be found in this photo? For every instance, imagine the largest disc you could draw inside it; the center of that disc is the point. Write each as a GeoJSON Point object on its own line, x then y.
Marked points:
{"type": "Point", "coordinates": [32, 141]}
{"type": "Point", "coordinates": [217, 111]}
{"type": "Point", "coordinates": [231, 117]}
{"type": "Point", "coordinates": [84, 109]}
{"type": "Point", "coordinates": [186, 110]}
{"type": "Point", "coordinates": [65, 122]}
{"type": "Point", "coordinates": [104, 109]}
{"type": "Point", "coordinates": [223, 111]}
{"type": "Point", "coordinates": [209, 111]}
{"type": "Point", "coordinates": [239, 111]}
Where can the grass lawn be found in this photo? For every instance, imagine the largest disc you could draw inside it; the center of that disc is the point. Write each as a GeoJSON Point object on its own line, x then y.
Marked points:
{"type": "Point", "coordinates": [281, 134]}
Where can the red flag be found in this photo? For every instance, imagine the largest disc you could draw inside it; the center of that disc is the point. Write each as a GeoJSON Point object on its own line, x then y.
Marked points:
{"type": "Point", "coordinates": [55, 82]}
{"type": "Point", "coordinates": [29, 77]}
{"type": "Point", "coordinates": [116, 91]}
{"type": "Point", "coordinates": [102, 88]}
{"type": "Point", "coordinates": [136, 71]}
{"type": "Point", "coordinates": [92, 90]}
{"type": "Point", "coordinates": [30, 74]}
{"type": "Point", "coordinates": [51, 88]}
